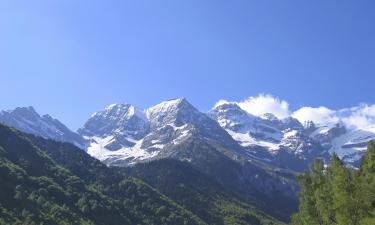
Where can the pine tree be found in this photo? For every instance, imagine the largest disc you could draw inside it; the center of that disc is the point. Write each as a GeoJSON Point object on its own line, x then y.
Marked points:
{"type": "Point", "coordinates": [365, 181]}
{"type": "Point", "coordinates": [345, 205]}
{"type": "Point", "coordinates": [322, 194]}
{"type": "Point", "coordinates": [307, 214]}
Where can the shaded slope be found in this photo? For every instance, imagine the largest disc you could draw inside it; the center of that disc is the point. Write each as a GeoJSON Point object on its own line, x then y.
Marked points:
{"type": "Point", "coordinates": [69, 187]}
{"type": "Point", "coordinates": [198, 192]}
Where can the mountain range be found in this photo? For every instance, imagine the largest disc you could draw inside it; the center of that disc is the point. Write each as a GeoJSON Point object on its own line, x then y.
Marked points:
{"type": "Point", "coordinates": [123, 135]}
{"type": "Point", "coordinates": [49, 182]}
{"type": "Point", "coordinates": [225, 156]}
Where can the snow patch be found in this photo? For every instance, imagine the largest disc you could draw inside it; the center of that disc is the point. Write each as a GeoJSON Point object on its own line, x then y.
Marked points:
{"type": "Point", "coordinates": [97, 149]}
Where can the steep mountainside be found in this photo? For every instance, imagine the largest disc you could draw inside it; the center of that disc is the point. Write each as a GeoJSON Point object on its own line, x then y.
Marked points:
{"type": "Point", "coordinates": [50, 182]}
{"type": "Point", "coordinates": [29, 121]}
{"type": "Point", "coordinates": [179, 131]}
{"type": "Point", "coordinates": [121, 135]}
{"type": "Point", "coordinates": [254, 157]}
{"type": "Point", "coordinates": [288, 143]}
{"type": "Point", "coordinates": [279, 142]}
{"type": "Point", "coordinates": [198, 192]}
{"type": "Point", "coordinates": [56, 183]}
{"type": "Point", "coordinates": [123, 122]}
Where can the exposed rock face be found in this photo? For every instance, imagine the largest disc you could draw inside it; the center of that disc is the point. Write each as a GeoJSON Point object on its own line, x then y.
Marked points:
{"type": "Point", "coordinates": [29, 121]}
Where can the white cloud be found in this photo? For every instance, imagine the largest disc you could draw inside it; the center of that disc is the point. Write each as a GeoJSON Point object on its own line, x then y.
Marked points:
{"type": "Point", "coordinates": [265, 103]}
{"type": "Point", "coordinates": [362, 116]}
{"type": "Point", "coordinates": [320, 115]}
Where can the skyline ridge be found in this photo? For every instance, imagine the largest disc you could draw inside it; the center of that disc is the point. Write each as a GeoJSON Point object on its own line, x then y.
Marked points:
{"type": "Point", "coordinates": [361, 115]}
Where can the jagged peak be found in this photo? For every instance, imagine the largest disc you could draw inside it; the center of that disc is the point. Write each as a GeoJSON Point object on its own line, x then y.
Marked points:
{"type": "Point", "coordinates": [173, 111]}
{"type": "Point", "coordinates": [227, 106]}
{"type": "Point", "coordinates": [168, 105]}
{"type": "Point", "coordinates": [49, 117]}
{"type": "Point", "coordinates": [23, 111]}
{"type": "Point", "coordinates": [224, 103]}
{"type": "Point", "coordinates": [117, 106]}
{"type": "Point", "coordinates": [291, 120]}
{"type": "Point", "coordinates": [309, 124]}
{"type": "Point", "coordinates": [269, 116]}
{"type": "Point", "coordinates": [121, 110]}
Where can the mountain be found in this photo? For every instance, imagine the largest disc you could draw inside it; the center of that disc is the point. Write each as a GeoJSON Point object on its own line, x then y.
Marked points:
{"type": "Point", "coordinates": [235, 156]}
{"type": "Point", "coordinates": [197, 192]}
{"type": "Point", "coordinates": [283, 142]}
{"type": "Point", "coordinates": [288, 143]}
{"type": "Point", "coordinates": [28, 120]}
{"type": "Point", "coordinates": [123, 135]}
{"type": "Point", "coordinates": [350, 144]}
{"type": "Point", "coordinates": [177, 130]}
{"type": "Point", "coordinates": [117, 120]}
{"type": "Point", "coordinates": [49, 182]}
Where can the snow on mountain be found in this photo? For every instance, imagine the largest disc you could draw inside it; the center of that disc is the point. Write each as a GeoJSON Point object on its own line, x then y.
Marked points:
{"type": "Point", "coordinates": [117, 119]}
{"type": "Point", "coordinates": [98, 149]}
{"type": "Point", "coordinates": [120, 135]}
{"type": "Point", "coordinates": [281, 137]}
{"type": "Point", "coordinates": [123, 133]}
{"type": "Point", "coordinates": [351, 145]}
{"type": "Point", "coordinates": [28, 120]}
{"type": "Point", "coordinates": [266, 130]}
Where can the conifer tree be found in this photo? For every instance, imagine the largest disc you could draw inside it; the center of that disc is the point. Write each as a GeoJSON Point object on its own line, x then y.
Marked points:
{"type": "Point", "coordinates": [307, 214]}
{"type": "Point", "coordinates": [338, 195]}
{"type": "Point", "coordinates": [322, 193]}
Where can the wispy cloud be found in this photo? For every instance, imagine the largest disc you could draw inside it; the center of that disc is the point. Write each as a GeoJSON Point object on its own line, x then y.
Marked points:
{"type": "Point", "coordinates": [317, 115]}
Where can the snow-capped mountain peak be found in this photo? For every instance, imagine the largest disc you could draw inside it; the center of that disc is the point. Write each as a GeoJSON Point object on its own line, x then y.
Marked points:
{"type": "Point", "coordinates": [172, 112]}
{"type": "Point", "coordinates": [28, 120]}
{"type": "Point", "coordinates": [269, 116]}
{"type": "Point", "coordinates": [164, 127]}
{"type": "Point", "coordinates": [123, 134]}
{"type": "Point", "coordinates": [117, 119]}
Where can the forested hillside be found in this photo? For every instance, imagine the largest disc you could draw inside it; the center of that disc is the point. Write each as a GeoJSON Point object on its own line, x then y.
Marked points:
{"type": "Point", "coordinates": [72, 188]}
{"type": "Point", "coordinates": [199, 193]}
{"type": "Point", "coordinates": [49, 182]}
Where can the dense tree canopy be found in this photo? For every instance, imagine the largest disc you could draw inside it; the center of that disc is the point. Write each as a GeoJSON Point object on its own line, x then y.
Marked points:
{"type": "Point", "coordinates": [48, 182]}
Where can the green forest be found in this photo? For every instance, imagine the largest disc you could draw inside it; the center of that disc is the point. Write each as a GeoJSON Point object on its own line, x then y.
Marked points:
{"type": "Point", "coordinates": [338, 195]}
{"type": "Point", "coordinates": [48, 182]}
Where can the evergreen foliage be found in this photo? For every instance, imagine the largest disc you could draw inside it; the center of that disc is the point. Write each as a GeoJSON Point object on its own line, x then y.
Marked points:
{"type": "Point", "coordinates": [338, 195]}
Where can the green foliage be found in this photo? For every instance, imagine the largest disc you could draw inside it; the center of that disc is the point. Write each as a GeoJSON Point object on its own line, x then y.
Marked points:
{"type": "Point", "coordinates": [47, 182]}
{"type": "Point", "coordinates": [338, 195]}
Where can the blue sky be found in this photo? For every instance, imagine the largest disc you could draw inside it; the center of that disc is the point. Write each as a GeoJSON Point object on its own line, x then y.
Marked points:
{"type": "Point", "coordinates": [70, 58]}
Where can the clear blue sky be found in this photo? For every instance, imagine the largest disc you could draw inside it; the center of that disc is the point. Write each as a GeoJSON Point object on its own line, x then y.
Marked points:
{"type": "Point", "coordinates": [70, 58]}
